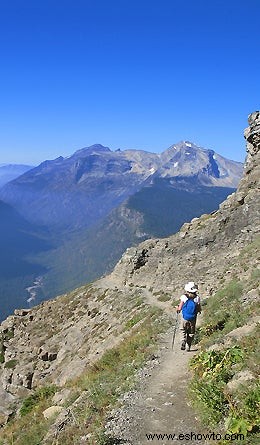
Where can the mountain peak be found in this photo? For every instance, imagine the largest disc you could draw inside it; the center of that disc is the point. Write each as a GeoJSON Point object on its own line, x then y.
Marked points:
{"type": "Point", "coordinates": [185, 159]}
{"type": "Point", "coordinates": [93, 149]}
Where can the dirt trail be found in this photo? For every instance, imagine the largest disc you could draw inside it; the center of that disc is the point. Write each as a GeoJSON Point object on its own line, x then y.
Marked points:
{"type": "Point", "coordinates": [159, 405]}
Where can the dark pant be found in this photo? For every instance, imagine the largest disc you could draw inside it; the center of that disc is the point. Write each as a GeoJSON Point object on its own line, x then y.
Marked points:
{"type": "Point", "coordinates": [188, 331]}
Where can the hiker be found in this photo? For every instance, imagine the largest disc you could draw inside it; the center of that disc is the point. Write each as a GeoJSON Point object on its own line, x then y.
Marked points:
{"type": "Point", "coordinates": [190, 307]}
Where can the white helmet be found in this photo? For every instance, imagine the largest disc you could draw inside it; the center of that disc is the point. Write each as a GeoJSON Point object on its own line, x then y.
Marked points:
{"type": "Point", "coordinates": [191, 287]}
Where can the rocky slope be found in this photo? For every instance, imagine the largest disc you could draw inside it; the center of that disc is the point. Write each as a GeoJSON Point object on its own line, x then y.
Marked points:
{"type": "Point", "coordinates": [56, 341]}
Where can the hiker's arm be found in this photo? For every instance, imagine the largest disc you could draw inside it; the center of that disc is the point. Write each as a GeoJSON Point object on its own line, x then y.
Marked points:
{"type": "Point", "coordinates": [198, 308]}
{"type": "Point", "coordinates": [198, 305]}
{"type": "Point", "coordinates": [179, 307]}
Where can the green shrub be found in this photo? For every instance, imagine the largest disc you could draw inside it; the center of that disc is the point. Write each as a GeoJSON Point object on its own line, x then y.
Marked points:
{"type": "Point", "coordinates": [212, 370]}
{"type": "Point", "coordinates": [38, 396]}
{"type": "Point", "coordinates": [244, 415]}
{"type": "Point", "coordinates": [139, 301]}
{"type": "Point", "coordinates": [232, 408]}
{"type": "Point", "coordinates": [2, 354]}
{"type": "Point", "coordinates": [9, 334]}
{"type": "Point", "coordinates": [209, 400]}
{"type": "Point", "coordinates": [11, 364]}
{"type": "Point", "coordinates": [164, 297]}
{"type": "Point", "coordinates": [215, 403]}
{"type": "Point", "coordinates": [134, 320]}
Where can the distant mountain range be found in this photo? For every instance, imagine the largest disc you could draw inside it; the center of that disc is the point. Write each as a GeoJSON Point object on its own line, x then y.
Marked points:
{"type": "Point", "coordinates": [82, 189]}
{"type": "Point", "coordinates": [8, 172]}
{"type": "Point", "coordinates": [89, 207]}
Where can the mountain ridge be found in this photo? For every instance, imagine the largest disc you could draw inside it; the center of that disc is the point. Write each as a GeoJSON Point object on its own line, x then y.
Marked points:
{"type": "Point", "coordinates": [48, 194]}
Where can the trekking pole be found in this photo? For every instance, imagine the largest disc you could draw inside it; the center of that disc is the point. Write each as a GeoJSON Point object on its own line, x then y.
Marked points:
{"type": "Point", "coordinates": [175, 329]}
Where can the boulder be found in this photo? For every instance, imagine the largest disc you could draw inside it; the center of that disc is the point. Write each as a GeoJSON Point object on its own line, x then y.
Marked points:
{"type": "Point", "coordinates": [52, 411]}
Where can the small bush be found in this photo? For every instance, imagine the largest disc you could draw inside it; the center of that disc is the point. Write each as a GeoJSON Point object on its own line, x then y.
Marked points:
{"type": "Point", "coordinates": [213, 369]}
{"type": "Point", "coordinates": [244, 417]}
{"type": "Point", "coordinates": [38, 396]}
{"type": "Point", "coordinates": [164, 297]}
{"type": "Point", "coordinates": [238, 409]}
{"type": "Point", "coordinates": [2, 354]}
{"type": "Point", "coordinates": [139, 301]}
{"type": "Point", "coordinates": [134, 320]}
{"type": "Point", "coordinates": [10, 364]}
{"type": "Point", "coordinates": [9, 334]}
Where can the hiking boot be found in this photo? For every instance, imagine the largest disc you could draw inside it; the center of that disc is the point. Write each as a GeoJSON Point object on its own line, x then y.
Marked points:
{"type": "Point", "coordinates": [188, 348]}
{"type": "Point", "coordinates": [183, 346]}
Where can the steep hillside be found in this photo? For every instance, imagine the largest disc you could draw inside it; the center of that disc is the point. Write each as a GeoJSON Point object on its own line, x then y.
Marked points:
{"type": "Point", "coordinates": [64, 346]}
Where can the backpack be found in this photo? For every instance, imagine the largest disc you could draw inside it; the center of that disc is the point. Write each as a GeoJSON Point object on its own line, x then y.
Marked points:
{"type": "Point", "coordinates": [189, 309]}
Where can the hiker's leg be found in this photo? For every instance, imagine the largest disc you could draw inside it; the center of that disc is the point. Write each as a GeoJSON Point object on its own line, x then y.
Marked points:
{"type": "Point", "coordinates": [184, 334]}
{"type": "Point", "coordinates": [191, 332]}
{"type": "Point", "coordinates": [189, 337]}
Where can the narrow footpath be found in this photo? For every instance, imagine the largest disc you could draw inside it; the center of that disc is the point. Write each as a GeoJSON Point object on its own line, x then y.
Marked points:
{"type": "Point", "coordinates": [159, 404]}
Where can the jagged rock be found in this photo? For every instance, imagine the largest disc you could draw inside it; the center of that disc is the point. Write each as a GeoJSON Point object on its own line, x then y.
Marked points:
{"type": "Point", "coordinates": [7, 407]}
{"type": "Point", "coordinates": [252, 295]}
{"type": "Point", "coordinates": [21, 312]}
{"type": "Point", "coordinates": [4, 418]}
{"type": "Point", "coordinates": [23, 378]}
{"type": "Point", "coordinates": [140, 259]}
{"type": "Point", "coordinates": [48, 356]}
{"type": "Point", "coordinates": [64, 418]}
{"type": "Point", "coordinates": [44, 356]}
{"type": "Point", "coordinates": [52, 356]}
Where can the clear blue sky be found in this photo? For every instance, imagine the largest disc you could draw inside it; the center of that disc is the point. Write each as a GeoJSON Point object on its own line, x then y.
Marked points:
{"type": "Point", "coordinates": [126, 74]}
